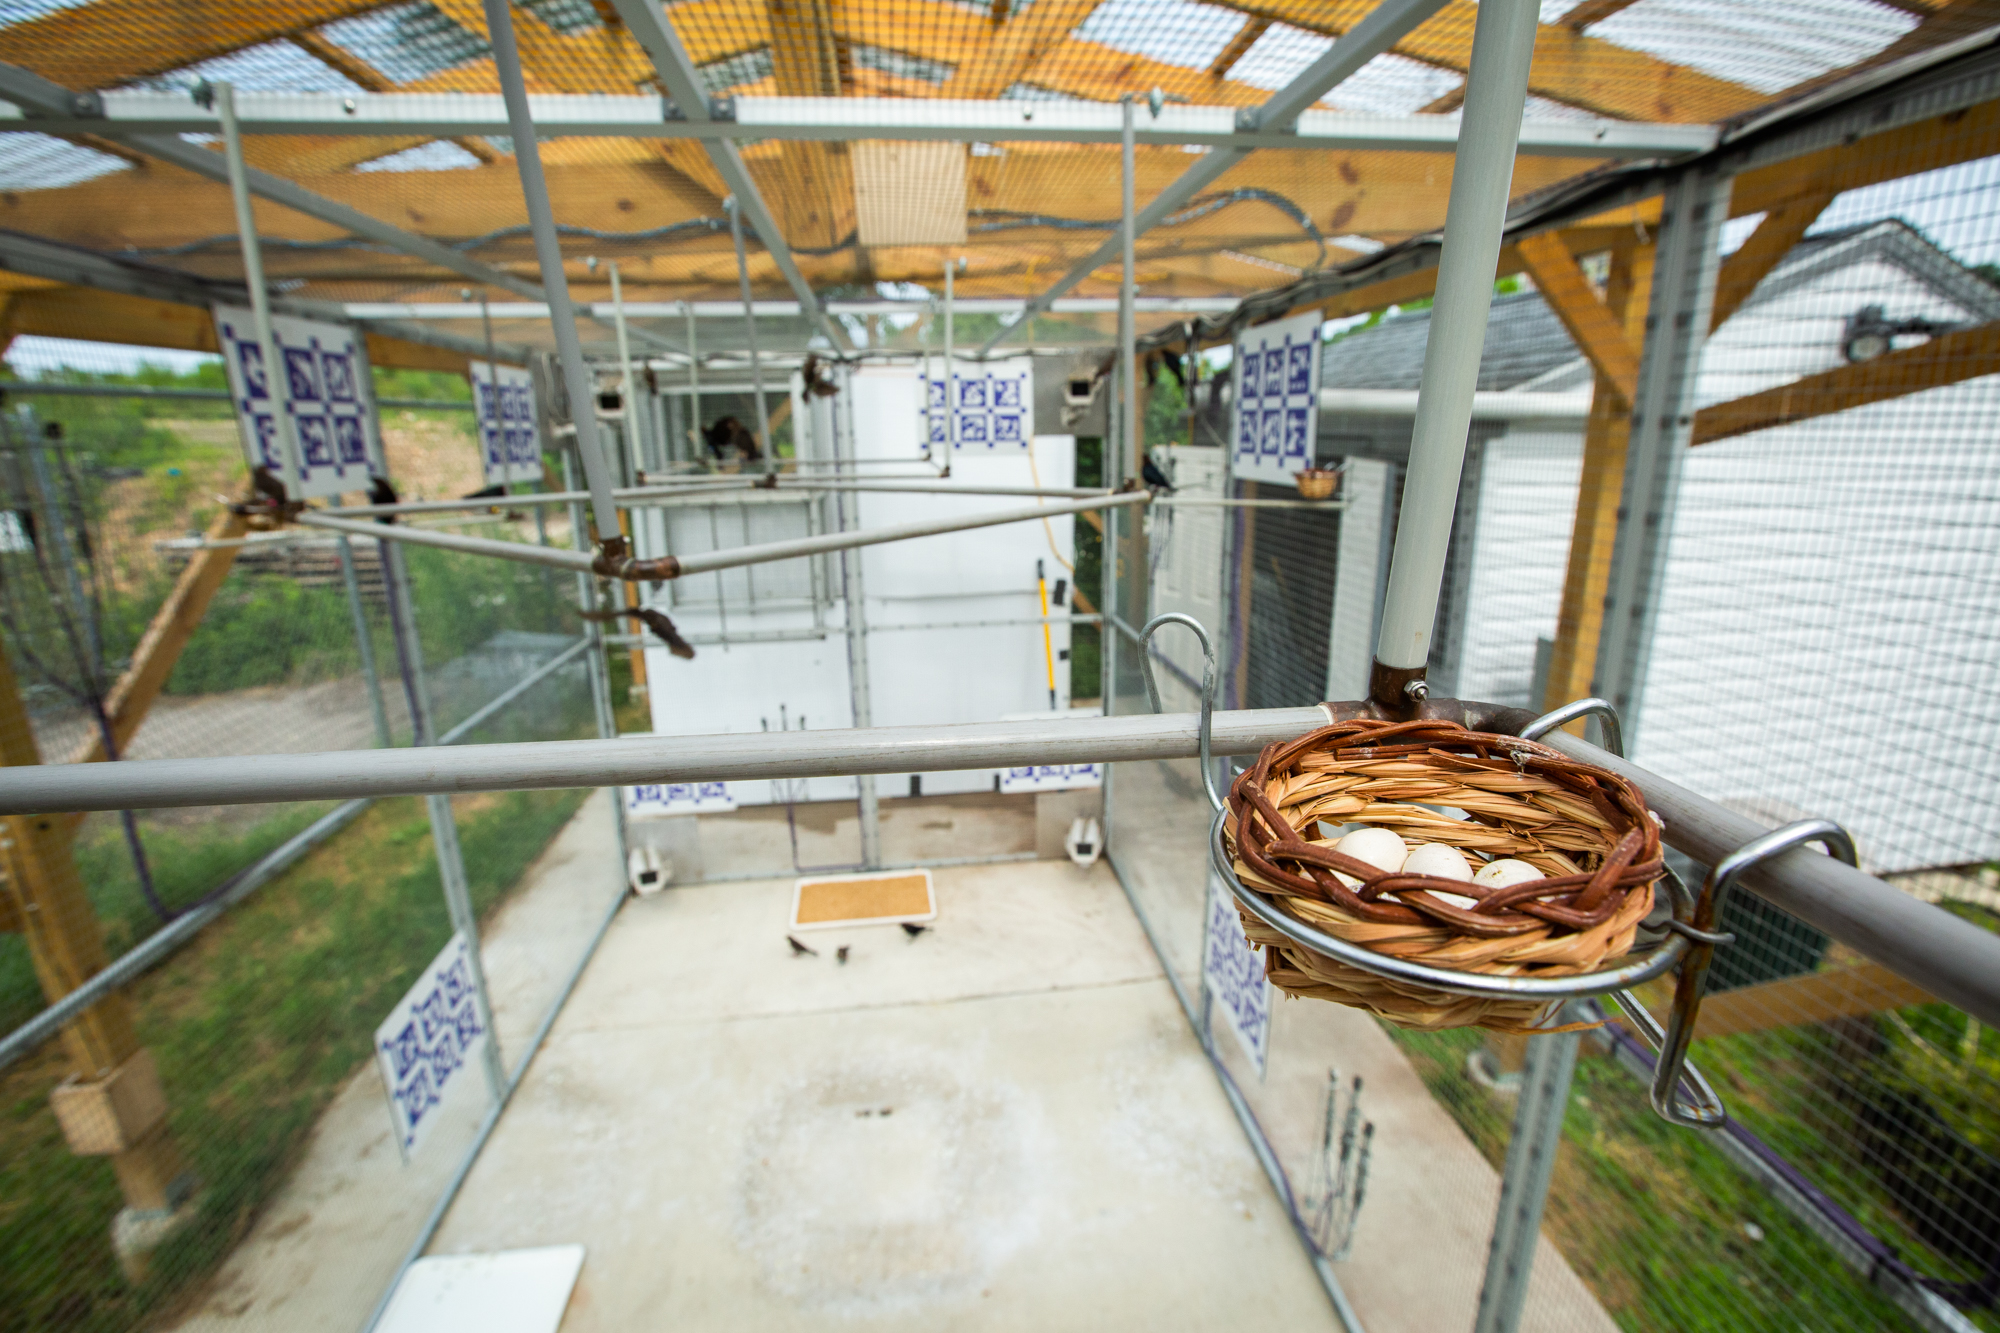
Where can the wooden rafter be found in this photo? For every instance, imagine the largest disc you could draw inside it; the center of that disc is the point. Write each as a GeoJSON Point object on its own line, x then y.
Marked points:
{"type": "Point", "coordinates": [1587, 574]}
{"type": "Point", "coordinates": [106, 43]}
{"type": "Point", "coordinates": [1592, 11]}
{"type": "Point", "coordinates": [814, 195]}
{"type": "Point", "coordinates": [1013, 47]}
{"type": "Point", "coordinates": [1587, 317]}
{"type": "Point", "coordinates": [1771, 242]}
{"type": "Point", "coordinates": [1238, 47]}
{"type": "Point", "coordinates": [1947, 359]}
{"type": "Point", "coordinates": [358, 71]}
{"type": "Point", "coordinates": [1444, 106]}
{"type": "Point", "coordinates": [593, 61]}
{"type": "Point", "coordinates": [1569, 67]}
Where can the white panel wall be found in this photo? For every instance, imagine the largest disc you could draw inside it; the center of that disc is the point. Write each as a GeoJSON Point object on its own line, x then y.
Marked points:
{"type": "Point", "coordinates": [918, 676]}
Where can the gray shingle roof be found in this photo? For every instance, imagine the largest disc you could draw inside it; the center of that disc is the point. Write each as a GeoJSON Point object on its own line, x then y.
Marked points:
{"type": "Point", "coordinates": [1523, 340]}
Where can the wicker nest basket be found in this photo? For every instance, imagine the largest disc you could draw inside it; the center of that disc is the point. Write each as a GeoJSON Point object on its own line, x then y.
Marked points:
{"type": "Point", "coordinates": [1586, 829]}
{"type": "Point", "coordinates": [1316, 483]}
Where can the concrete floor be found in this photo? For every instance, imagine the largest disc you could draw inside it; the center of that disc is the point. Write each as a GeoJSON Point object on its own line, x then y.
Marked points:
{"type": "Point", "coordinates": [1004, 1123]}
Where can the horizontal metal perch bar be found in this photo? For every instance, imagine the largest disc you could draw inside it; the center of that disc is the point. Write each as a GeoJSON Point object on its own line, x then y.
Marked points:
{"type": "Point", "coordinates": [1952, 959]}
{"type": "Point", "coordinates": [721, 486]}
{"type": "Point", "coordinates": [146, 784]}
{"type": "Point", "coordinates": [705, 562]}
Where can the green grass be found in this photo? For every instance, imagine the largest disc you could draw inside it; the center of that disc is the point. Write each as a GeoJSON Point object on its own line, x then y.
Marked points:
{"type": "Point", "coordinates": [256, 1026]}
{"type": "Point", "coordinates": [1653, 1218]}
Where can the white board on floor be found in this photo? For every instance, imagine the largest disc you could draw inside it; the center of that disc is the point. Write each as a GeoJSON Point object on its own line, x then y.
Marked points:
{"type": "Point", "coordinates": [513, 1291]}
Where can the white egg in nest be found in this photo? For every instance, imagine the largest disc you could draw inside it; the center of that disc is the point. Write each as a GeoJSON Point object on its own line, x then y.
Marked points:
{"type": "Point", "coordinates": [1505, 873]}
{"type": "Point", "coordinates": [1377, 846]}
{"type": "Point", "coordinates": [1442, 862]}
{"type": "Point", "coordinates": [1439, 860]}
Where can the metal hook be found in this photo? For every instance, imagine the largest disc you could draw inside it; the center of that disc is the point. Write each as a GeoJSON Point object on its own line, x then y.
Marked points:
{"type": "Point", "coordinates": [1707, 1112]}
{"type": "Point", "coordinates": [1601, 709]}
{"type": "Point", "coordinates": [1207, 689]}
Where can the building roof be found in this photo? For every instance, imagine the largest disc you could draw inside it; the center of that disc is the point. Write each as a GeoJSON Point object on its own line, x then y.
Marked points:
{"type": "Point", "coordinates": [1525, 344]}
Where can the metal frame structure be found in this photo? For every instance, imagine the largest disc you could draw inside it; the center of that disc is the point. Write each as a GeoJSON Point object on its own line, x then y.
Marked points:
{"type": "Point", "coordinates": [125, 115]}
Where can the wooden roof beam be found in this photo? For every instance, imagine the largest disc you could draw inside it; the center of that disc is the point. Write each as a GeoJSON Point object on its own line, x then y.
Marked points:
{"type": "Point", "coordinates": [1590, 323]}
{"type": "Point", "coordinates": [1947, 359]}
{"type": "Point", "coordinates": [1569, 67]}
{"type": "Point", "coordinates": [1774, 238]}
{"type": "Point", "coordinates": [1013, 47]}
{"type": "Point", "coordinates": [1238, 47]}
{"type": "Point", "coordinates": [107, 43]}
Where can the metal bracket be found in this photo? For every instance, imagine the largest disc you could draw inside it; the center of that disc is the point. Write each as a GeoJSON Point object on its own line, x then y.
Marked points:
{"type": "Point", "coordinates": [1146, 633]}
{"type": "Point", "coordinates": [722, 108]}
{"type": "Point", "coordinates": [1707, 1112]}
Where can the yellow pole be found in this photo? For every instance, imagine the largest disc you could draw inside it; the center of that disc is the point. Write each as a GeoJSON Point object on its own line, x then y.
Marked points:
{"type": "Point", "coordinates": [1048, 640]}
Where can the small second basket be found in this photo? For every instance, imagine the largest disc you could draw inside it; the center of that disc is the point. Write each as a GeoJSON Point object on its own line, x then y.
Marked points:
{"type": "Point", "coordinates": [1586, 829]}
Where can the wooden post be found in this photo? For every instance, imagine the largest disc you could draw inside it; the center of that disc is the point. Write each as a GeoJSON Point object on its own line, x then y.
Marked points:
{"type": "Point", "coordinates": [1573, 661]}
{"type": "Point", "coordinates": [67, 947]}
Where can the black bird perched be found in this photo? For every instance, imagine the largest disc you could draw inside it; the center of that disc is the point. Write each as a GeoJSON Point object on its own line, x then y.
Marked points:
{"type": "Point", "coordinates": [729, 433]}
{"type": "Point", "coordinates": [1155, 479]}
{"type": "Point", "coordinates": [380, 492]}
{"type": "Point", "coordinates": [841, 953]}
{"type": "Point", "coordinates": [818, 382]}
{"type": "Point", "coordinates": [655, 621]}
{"type": "Point", "coordinates": [913, 930]}
{"type": "Point", "coordinates": [798, 948]}
{"type": "Point", "coordinates": [487, 492]}
{"type": "Point", "coordinates": [268, 486]}
{"type": "Point", "coordinates": [1172, 361]}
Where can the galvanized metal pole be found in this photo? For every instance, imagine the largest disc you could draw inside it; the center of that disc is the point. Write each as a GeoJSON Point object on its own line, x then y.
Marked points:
{"type": "Point", "coordinates": [444, 827]}
{"type": "Point", "coordinates": [625, 399]}
{"type": "Point", "coordinates": [548, 253]}
{"type": "Point", "coordinates": [856, 607]}
{"type": "Point", "coordinates": [1496, 93]}
{"type": "Point", "coordinates": [1686, 262]}
{"type": "Point", "coordinates": [950, 363]}
{"type": "Point", "coordinates": [694, 385]}
{"type": "Point", "coordinates": [750, 336]}
{"type": "Point", "coordinates": [364, 640]}
{"type": "Point", "coordinates": [1128, 328]}
{"type": "Point", "coordinates": [1524, 1180]}
{"type": "Point", "coordinates": [260, 295]}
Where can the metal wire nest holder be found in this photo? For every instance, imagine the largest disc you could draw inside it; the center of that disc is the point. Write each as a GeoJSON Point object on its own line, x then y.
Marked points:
{"type": "Point", "coordinates": [1430, 951]}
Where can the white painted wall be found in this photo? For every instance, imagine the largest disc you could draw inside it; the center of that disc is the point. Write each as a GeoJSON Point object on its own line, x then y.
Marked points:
{"type": "Point", "coordinates": [1827, 637]}
{"type": "Point", "coordinates": [917, 676]}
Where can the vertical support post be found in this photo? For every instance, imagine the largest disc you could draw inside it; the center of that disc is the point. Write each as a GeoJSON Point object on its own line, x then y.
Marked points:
{"type": "Point", "coordinates": [548, 253]}
{"type": "Point", "coordinates": [625, 398]}
{"type": "Point", "coordinates": [1580, 623]}
{"type": "Point", "coordinates": [1684, 273]}
{"type": "Point", "coordinates": [1483, 168]}
{"type": "Point", "coordinates": [444, 826]}
{"type": "Point", "coordinates": [694, 384]}
{"type": "Point", "coordinates": [855, 595]}
{"type": "Point", "coordinates": [1524, 1181]}
{"type": "Point", "coordinates": [363, 640]}
{"type": "Point", "coordinates": [950, 362]}
{"type": "Point", "coordinates": [1128, 328]}
{"type": "Point", "coordinates": [750, 336]}
{"type": "Point", "coordinates": [253, 278]}
{"type": "Point", "coordinates": [66, 947]}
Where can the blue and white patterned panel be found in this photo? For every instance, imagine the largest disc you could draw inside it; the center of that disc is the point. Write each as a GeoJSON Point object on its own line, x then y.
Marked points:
{"type": "Point", "coordinates": [510, 441]}
{"type": "Point", "coordinates": [992, 405]}
{"type": "Point", "coordinates": [1277, 400]}
{"type": "Point", "coordinates": [1052, 777]}
{"type": "Point", "coordinates": [1232, 970]}
{"type": "Point", "coordinates": [677, 798]}
{"type": "Point", "coordinates": [321, 392]}
{"type": "Point", "coordinates": [430, 1043]}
